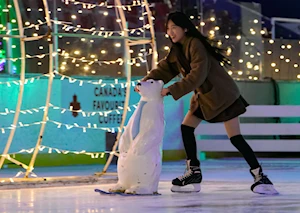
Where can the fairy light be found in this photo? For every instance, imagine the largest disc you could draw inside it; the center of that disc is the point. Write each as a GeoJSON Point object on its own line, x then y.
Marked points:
{"type": "Point", "coordinates": [50, 150]}
{"type": "Point", "coordinates": [86, 68]}
{"type": "Point", "coordinates": [165, 48]}
{"type": "Point", "coordinates": [269, 52]}
{"type": "Point", "coordinates": [256, 67]}
{"type": "Point", "coordinates": [273, 64]}
{"type": "Point", "coordinates": [30, 80]}
{"type": "Point", "coordinates": [229, 51]}
{"type": "Point", "coordinates": [86, 5]}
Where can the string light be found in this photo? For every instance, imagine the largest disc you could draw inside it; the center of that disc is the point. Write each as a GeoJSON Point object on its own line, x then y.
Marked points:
{"type": "Point", "coordinates": [119, 61]}
{"type": "Point", "coordinates": [36, 26]}
{"type": "Point", "coordinates": [40, 56]}
{"type": "Point", "coordinates": [86, 5]}
{"type": "Point", "coordinates": [18, 82]}
{"type": "Point", "coordinates": [29, 111]}
{"type": "Point", "coordinates": [50, 150]}
{"type": "Point", "coordinates": [67, 26]}
{"type": "Point", "coordinates": [59, 125]}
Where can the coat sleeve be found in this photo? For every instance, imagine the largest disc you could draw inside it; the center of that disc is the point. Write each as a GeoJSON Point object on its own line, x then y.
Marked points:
{"type": "Point", "coordinates": [199, 71]}
{"type": "Point", "coordinates": [162, 72]}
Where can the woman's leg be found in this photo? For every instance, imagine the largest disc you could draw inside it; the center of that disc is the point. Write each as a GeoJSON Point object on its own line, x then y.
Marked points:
{"type": "Point", "coordinates": [262, 184]}
{"type": "Point", "coordinates": [188, 126]}
{"type": "Point", "coordinates": [234, 134]}
{"type": "Point", "coordinates": [193, 174]}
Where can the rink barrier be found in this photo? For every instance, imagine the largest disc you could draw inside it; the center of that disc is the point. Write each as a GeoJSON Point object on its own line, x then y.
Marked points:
{"type": "Point", "coordinates": [277, 137]}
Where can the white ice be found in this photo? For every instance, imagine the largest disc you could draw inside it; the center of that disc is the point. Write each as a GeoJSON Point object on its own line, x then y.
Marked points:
{"type": "Point", "coordinates": [225, 188]}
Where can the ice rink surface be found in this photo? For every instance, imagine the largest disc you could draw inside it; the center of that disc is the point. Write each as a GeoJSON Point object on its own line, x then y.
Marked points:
{"type": "Point", "coordinates": [225, 188]}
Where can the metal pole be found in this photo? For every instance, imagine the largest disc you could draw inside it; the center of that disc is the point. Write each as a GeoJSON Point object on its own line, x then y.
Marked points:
{"type": "Point", "coordinates": [21, 86]}
{"type": "Point", "coordinates": [128, 75]}
{"type": "Point", "coordinates": [55, 37]}
{"type": "Point", "coordinates": [50, 81]}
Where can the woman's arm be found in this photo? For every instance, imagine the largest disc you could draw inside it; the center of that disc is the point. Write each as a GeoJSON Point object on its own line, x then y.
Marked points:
{"type": "Point", "coordinates": [163, 72]}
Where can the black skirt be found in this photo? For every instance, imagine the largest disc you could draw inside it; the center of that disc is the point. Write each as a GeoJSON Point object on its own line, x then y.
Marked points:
{"type": "Point", "coordinates": [234, 110]}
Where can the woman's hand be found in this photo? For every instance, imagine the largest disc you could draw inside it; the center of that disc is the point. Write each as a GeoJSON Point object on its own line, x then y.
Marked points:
{"type": "Point", "coordinates": [136, 88]}
{"type": "Point", "coordinates": [165, 91]}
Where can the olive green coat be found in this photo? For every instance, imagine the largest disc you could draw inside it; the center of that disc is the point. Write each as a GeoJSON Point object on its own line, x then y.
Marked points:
{"type": "Point", "coordinates": [216, 90]}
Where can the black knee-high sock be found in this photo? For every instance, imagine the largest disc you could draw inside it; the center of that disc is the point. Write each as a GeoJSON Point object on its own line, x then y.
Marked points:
{"type": "Point", "coordinates": [190, 145]}
{"type": "Point", "coordinates": [239, 142]}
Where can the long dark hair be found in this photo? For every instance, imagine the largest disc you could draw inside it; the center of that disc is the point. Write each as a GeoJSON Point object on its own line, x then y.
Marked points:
{"type": "Point", "coordinates": [181, 20]}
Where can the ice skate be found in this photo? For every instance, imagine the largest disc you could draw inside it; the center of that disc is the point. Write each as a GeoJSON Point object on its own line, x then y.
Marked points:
{"type": "Point", "coordinates": [189, 182]}
{"type": "Point", "coordinates": [262, 184]}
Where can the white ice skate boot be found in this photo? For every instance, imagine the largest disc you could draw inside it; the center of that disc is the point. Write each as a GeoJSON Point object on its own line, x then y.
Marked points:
{"type": "Point", "coordinates": [262, 184]}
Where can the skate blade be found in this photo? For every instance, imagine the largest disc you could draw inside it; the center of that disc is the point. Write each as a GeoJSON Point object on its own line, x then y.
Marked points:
{"type": "Point", "coordinates": [266, 189]}
{"type": "Point", "coordinates": [190, 188]}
